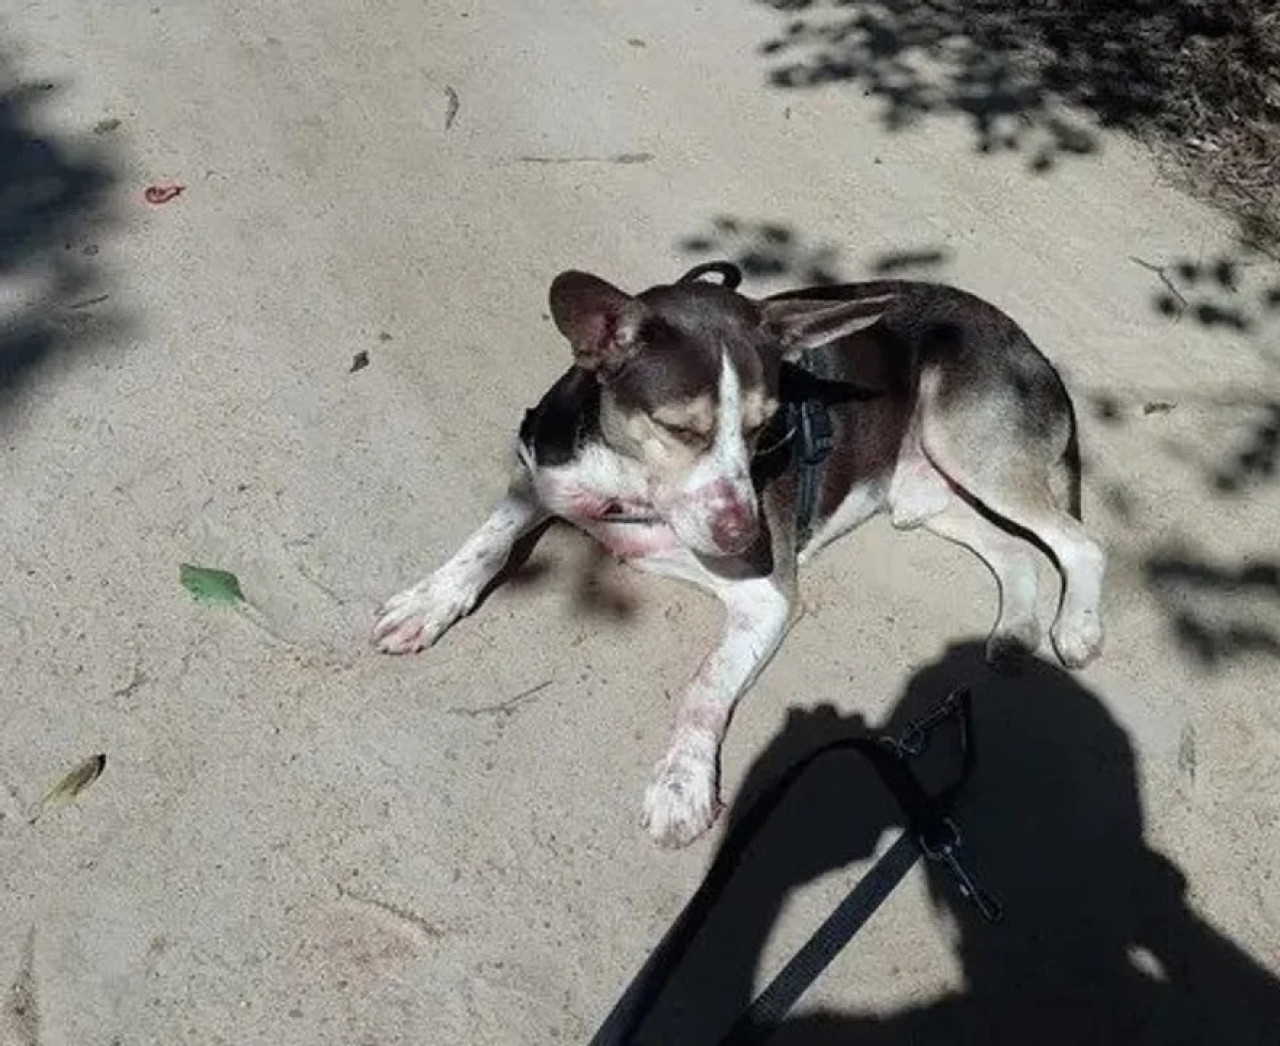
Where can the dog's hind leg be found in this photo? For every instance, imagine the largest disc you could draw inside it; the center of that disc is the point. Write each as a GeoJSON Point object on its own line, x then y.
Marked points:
{"type": "Point", "coordinates": [1013, 562]}
{"type": "Point", "coordinates": [412, 620]}
{"type": "Point", "coordinates": [1011, 458]}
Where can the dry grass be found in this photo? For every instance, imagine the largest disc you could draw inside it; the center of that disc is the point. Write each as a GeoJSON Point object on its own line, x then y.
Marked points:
{"type": "Point", "coordinates": [1224, 125]}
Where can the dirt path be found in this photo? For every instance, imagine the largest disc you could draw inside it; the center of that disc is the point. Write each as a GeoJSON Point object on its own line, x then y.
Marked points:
{"type": "Point", "coordinates": [297, 842]}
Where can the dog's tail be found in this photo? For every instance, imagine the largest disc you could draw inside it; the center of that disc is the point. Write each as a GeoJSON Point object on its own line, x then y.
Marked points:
{"type": "Point", "coordinates": [1069, 478]}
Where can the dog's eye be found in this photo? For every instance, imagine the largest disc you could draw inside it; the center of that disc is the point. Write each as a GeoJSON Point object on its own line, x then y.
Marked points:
{"type": "Point", "coordinates": [684, 433]}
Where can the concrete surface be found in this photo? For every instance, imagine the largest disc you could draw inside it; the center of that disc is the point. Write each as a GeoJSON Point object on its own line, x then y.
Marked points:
{"type": "Point", "coordinates": [297, 841]}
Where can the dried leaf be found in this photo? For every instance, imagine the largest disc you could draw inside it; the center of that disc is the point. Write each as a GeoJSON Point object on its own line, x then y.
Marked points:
{"type": "Point", "coordinates": [452, 104]}
{"type": "Point", "coordinates": [72, 785]}
{"type": "Point", "coordinates": [210, 585]}
{"type": "Point", "coordinates": [161, 194]}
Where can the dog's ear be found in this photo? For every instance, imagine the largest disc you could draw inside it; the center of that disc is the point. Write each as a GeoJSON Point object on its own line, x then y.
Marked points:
{"type": "Point", "coordinates": [601, 322]}
{"type": "Point", "coordinates": [796, 324]}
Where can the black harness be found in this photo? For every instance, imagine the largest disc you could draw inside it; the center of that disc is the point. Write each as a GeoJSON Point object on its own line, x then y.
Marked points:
{"type": "Point", "coordinates": [802, 427]}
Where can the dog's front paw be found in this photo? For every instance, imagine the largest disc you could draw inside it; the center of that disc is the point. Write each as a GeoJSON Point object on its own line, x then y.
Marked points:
{"type": "Point", "coordinates": [412, 620]}
{"type": "Point", "coordinates": [681, 803]}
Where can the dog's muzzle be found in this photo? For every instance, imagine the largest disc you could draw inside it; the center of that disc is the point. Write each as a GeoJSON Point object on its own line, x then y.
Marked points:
{"type": "Point", "coordinates": [734, 528]}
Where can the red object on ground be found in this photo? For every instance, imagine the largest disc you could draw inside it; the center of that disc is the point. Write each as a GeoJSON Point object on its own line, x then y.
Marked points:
{"type": "Point", "coordinates": [158, 194]}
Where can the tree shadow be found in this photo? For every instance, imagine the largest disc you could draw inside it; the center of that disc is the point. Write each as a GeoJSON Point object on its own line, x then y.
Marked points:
{"type": "Point", "coordinates": [52, 196]}
{"type": "Point", "coordinates": [1100, 943]}
{"type": "Point", "coordinates": [1219, 610]}
{"type": "Point", "coordinates": [1192, 75]}
{"type": "Point", "coordinates": [765, 250]}
{"type": "Point", "coordinates": [769, 250]}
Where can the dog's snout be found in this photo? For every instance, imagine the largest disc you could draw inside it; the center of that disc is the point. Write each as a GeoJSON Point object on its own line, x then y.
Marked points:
{"type": "Point", "coordinates": [733, 527]}
{"type": "Point", "coordinates": [719, 518]}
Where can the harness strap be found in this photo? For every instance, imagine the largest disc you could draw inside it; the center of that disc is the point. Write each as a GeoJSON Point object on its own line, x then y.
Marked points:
{"type": "Point", "coordinates": [810, 419]}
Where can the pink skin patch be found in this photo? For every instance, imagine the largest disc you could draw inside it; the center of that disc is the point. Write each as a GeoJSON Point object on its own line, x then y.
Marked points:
{"type": "Point", "coordinates": [703, 718]}
{"type": "Point", "coordinates": [586, 506]}
{"type": "Point", "coordinates": [725, 513]}
{"type": "Point", "coordinates": [624, 540]}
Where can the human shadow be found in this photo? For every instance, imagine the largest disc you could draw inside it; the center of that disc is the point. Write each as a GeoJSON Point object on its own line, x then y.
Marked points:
{"type": "Point", "coordinates": [52, 194]}
{"type": "Point", "coordinates": [1100, 943]}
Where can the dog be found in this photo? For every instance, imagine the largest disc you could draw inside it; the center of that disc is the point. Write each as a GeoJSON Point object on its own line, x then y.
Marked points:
{"type": "Point", "coordinates": [688, 438]}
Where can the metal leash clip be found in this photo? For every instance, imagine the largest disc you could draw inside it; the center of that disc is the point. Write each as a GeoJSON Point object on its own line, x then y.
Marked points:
{"type": "Point", "coordinates": [915, 738]}
{"type": "Point", "coordinates": [946, 852]}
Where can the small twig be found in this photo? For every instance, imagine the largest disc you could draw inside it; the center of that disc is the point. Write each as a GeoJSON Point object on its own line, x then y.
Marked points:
{"type": "Point", "coordinates": [315, 582]}
{"type": "Point", "coordinates": [87, 302]}
{"type": "Point", "coordinates": [427, 929]}
{"type": "Point", "coordinates": [258, 619]}
{"type": "Point", "coordinates": [139, 679]}
{"type": "Point", "coordinates": [507, 707]}
{"type": "Point", "coordinates": [452, 104]}
{"type": "Point", "coordinates": [1159, 270]}
{"type": "Point", "coordinates": [622, 158]}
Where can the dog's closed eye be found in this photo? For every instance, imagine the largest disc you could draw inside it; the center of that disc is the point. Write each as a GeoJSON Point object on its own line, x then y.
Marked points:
{"type": "Point", "coordinates": [684, 433]}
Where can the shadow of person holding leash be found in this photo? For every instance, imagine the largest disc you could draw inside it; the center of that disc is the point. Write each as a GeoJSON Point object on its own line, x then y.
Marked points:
{"type": "Point", "coordinates": [1099, 942]}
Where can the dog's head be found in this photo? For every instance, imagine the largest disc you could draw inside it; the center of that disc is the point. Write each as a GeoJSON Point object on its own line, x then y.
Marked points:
{"type": "Point", "coordinates": [689, 378]}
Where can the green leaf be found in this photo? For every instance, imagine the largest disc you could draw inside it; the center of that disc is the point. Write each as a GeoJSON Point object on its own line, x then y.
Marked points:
{"type": "Point", "coordinates": [209, 585]}
{"type": "Point", "coordinates": [72, 785]}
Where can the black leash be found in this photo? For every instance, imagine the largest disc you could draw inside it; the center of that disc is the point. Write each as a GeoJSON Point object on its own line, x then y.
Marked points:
{"type": "Point", "coordinates": [930, 831]}
{"type": "Point", "coordinates": [807, 965]}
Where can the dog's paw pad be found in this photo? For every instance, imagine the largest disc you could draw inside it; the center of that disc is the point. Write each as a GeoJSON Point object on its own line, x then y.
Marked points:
{"type": "Point", "coordinates": [681, 803]}
{"type": "Point", "coordinates": [414, 619]}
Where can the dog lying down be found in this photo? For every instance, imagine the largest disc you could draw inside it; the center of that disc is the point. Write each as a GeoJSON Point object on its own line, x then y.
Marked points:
{"type": "Point", "coordinates": [683, 438]}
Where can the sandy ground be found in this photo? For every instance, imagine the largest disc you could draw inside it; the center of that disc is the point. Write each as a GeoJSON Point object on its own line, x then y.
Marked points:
{"type": "Point", "coordinates": [296, 841]}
